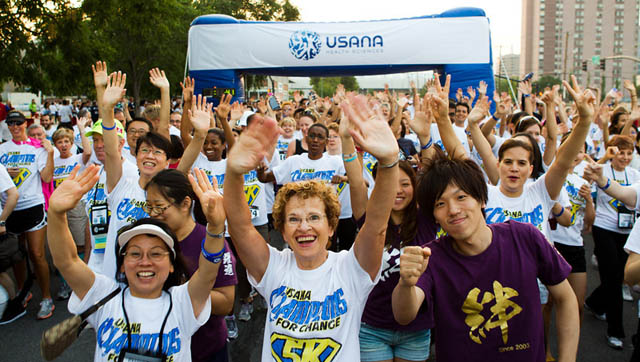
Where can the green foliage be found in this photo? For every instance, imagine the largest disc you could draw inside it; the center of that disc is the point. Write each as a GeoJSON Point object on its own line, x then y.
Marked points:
{"type": "Point", "coordinates": [544, 82]}
{"type": "Point", "coordinates": [326, 86]}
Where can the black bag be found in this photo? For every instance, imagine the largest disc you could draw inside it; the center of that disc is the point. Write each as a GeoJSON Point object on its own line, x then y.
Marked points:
{"type": "Point", "coordinates": [10, 252]}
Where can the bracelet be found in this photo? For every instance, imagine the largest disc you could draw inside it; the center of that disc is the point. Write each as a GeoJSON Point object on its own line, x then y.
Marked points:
{"type": "Point", "coordinates": [526, 95]}
{"type": "Point", "coordinates": [606, 186]}
{"type": "Point", "coordinates": [349, 157]}
{"type": "Point", "coordinates": [218, 236]}
{"type": "Point", "coordinates": [392, 163]}
{"type": "Point", "coordinates": [214, 258]}
{"type": "Point", "coordinates": [429, 144]}
{"type": "Point", "coordinates": [558, 215]}
{"type": "Point", "coordinates": [109, 128]}
{"type": "Point", "coordinates": [495, 118]}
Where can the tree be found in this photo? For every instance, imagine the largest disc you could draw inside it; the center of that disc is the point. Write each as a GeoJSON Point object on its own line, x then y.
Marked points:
{"type": "Point", "coordinates": [326, 86]}
{"type": "Point", "coordinates": [544, 82]}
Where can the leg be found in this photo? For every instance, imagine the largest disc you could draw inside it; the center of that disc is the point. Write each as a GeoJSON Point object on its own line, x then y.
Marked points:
{"type": "Point", "coordinates": [605, 251]}
{"type": "Point", "coordinates": [35, 240]}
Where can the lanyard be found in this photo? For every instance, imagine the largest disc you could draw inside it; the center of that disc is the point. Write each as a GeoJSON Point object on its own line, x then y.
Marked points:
{"type": "Point", "coordinates": [164, 322]}
{"type": "Point", "coordinates": [613, 174]}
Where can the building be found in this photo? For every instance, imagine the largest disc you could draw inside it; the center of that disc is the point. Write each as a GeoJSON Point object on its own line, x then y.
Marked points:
{"type": "Point", "coordinates": [560, 37]}
{"type": "Point", "coordinates": [509, 63]}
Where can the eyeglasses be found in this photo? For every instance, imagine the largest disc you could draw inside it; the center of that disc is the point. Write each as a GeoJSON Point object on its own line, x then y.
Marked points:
{"type": "Point", "coordinates": [146, 151]}
{"type": "Point", "coordinates": [313, 219]}
{"type": "Point", "coordinates": [314, 136]}
{"type": "Point", "coordinates": [141, 132]}
{"type": "Point", "coordinates": [153, 255]}
{"type": "Point", "coordinates": [15, 123]}
{"type": "Point", "coordinates": [155, 210]}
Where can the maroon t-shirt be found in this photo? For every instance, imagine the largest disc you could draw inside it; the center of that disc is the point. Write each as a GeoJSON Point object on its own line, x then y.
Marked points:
{"type": "Point", "coordinates": [212, 336]}
{"type": "Point", "coordinates": [378, 312]}
{"type": "Point", "coordinates": [487, 306]}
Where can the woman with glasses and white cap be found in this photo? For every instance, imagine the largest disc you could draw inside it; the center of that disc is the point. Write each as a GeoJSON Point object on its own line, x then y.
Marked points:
{"type": "Point", "coordinates": [155, 314]}
{"type": "Point", "coordinates": [29, 164]}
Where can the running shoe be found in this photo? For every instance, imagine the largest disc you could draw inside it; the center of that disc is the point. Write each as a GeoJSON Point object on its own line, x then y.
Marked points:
{"type": "Point", "coordinates": [602, 317]}
{"type": "Point", "coordinates": [594, 260]}
{"type": "Point", "coordinates": [232, 326]}
{"type": "Point", "coordinates": [46, 308]}
{"type": "Point", "coordinates": [626, 293]}
{"type": "Point", "coordinates": [615, 342]}
{"type": "Point", "coordinates": [64, 293]}
{"type": "Point", "coordinates": [245, 312]}
{"type": "Point", "coordinates": [27, 299]}
{"type": "Point", "coordinates": [15, 310]}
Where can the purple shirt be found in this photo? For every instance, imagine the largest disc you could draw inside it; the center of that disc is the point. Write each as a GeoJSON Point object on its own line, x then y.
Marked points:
{"type": "Point", "coordinates": [378, 312]}
{"type": "Point", "coordinates": [212, 336]}
{"type": "Point", "coordinates": [487, 306]}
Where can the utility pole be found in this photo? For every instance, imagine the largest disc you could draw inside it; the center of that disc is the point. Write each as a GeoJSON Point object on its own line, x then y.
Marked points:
{"type": "Point", "coordinates": [564, 63]}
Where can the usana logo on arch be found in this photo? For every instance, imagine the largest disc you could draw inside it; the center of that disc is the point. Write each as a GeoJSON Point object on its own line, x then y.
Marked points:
{"type": "Point", "coordinates": [306, 45]}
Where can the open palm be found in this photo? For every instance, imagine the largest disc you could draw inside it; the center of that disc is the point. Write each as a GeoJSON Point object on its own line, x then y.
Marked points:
{"type": "Point", "coordinates": [253, 145]}
{"type": "Point", "coordinates": [71, 190]}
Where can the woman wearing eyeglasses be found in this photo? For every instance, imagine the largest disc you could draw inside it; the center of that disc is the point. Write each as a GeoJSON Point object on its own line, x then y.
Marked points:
{"type": "Point", "coordinates": [315, 297]}
{"type": "Point", "coordinates": [29, 164]}
{"type": "Point", "coordinates": [170, 199]}
{"type": "Point", "coordinates": [154, 315]}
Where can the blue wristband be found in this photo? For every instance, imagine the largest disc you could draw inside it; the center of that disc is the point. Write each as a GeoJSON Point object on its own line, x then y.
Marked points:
{"type": "Point", "coordinates": [558, 215]}
{"type": "Point", "coordinates": [429, 144]}
{"type": "Point", "coordinates": [606, 186]}
{"type": "Point", "coordinates": [214, 258]}
{"type": "Point", "coordinates": [109, 128]}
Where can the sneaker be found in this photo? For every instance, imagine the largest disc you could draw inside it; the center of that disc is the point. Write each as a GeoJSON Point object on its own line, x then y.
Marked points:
{"type": "Point", "coordinates": [626, 293]}
{"type": "Point", "coordinates": [636, 288]}
{"type": "Point", "coordinates": [46, 309]}
{"type": "Point", "coordinates": [232, 326]}
{"type": "Point", "coordinates": [27, 299]}
{"type": "Point", "coordinates": [14, 311]}
{"type": "Point", "coordinates": [615, 342]}
{"type": "Point", "coordinates": [64, 293]}
{"type": "Point", "coordinates": [594, 260]}
{"type": "Point", "coordinates": [245, 312]}
{"type": "Point", "coordinates": [602, 317]}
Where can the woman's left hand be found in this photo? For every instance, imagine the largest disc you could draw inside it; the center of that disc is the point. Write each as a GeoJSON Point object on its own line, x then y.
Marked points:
{"type": "Point", "coordinates": [71, 190]}
{"type": "Point", "coordinates": [209, 196]}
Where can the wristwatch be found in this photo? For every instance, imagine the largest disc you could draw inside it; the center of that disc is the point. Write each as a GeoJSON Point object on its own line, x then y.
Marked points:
{"type": "Point", "coordinates": [3, 223]}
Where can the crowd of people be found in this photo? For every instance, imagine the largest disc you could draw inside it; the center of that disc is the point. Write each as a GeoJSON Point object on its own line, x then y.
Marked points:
{"type": "Point", "coordinates": [373, 225]}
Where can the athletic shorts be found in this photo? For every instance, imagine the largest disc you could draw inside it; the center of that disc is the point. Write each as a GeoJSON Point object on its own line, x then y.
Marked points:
{"type": "Point", "coordinates": [574, 255]}
{"type": "Point", "coordinates": [30, 219]}
{"type": "Point", "coordinates": [380, 344]}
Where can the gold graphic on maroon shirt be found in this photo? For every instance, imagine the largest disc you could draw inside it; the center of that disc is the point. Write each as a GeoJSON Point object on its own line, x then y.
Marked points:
{"type": "Point", "coordinates": [502, 311]}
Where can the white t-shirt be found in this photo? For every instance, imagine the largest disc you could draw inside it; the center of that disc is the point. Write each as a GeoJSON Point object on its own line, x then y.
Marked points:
{"type": "Point", "coordinates": [269, 187]}
{"type": "Point", "coordinates": [283, 146]}
{"type": "Point", "coordinates": [572, 235]}
{"type": "Point", "coordinates": [49, 132]}
{"type": "Point", "coordinates": [96, 196]}
{"type": "Point", "coordinates": [77, 137]}
{"type": "Point", "coordinates": [31, 161]}
{"type": "Point", "coordinates": [301, 167]}
{"type": "Point", "coordinates": [145, 318]}
{"type": "Point", "coordinates": [313, 312]}
{"type": "Point", "coordinates": [173, 131]}
{"type": "Point", "coordinates": [125, 206]}
{"type": "Point", "coordinates": [65, 113]}
{"type": "Point", "coordinates": [367, 171]}
{"type": "Point", "coordinates": [5, 181]}
{"type": "Point", "coordinates": [255, 194]}
{"type": "Point", "coordinates": [533, 206]}
{"type": "Point", "coordinates": [213, 169]}
{"type": "Point", "coordinates": [62, 167]}
{"type": "Point", "coordinates": [344, 194]}
{"type": "Point", "coordinates": [297, 134]}
{"type": "Point", "coordinates": [606, 206]}
{"type": "Point", "coordinates": [633, 241]}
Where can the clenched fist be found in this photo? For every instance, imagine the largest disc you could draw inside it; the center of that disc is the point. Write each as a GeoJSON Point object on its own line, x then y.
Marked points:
{"type": "Point", "coordinates": [413, 262]}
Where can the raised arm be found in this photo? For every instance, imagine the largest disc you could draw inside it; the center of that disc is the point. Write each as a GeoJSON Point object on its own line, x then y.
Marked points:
{"type": "Point", "coordinates": [551, 140]}
{"type": "Point", "coordinates": [86, 144]}
{"type": "Point", "coordinates": [357, 187]}
{"type": "Point", "coordinates": [421, 125]}
{"type": "Point", "coordinates": [439, 102]}
{"type": "Point", "coordinates": [185, 123]}
{"type": "Point", "coordinates": [204, 277]}
{"type": "Point", "coordinates": [113, 162]}
{"type": "Point", "coordinates": [199, 118]}
{"type": "Point", "coordinates": [159, 80]}
{"type": "Point", "coordinates": [222, 114]}
{"type": "Point", "coordinates": [563, 164]}
{"type": "Point", "coordinates": [371, 131]}
{"type": "Point", "coordinates": [99, 80]}
{"type": "Point", "coordinates": [47, 172]}
{"type": "Point", "coordinates": [628, 85]}
{"type": "Point", "coordinates": [252, 146]}
{"type": "Point", "coordinates": [479, 111]}
{"type": "Point", "coordinates": [63, 249]}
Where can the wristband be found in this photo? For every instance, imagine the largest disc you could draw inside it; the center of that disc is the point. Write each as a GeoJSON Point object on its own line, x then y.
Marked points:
{"type": "Point", "coordinates": [214, 258]}
{"type": "Point", "coordinates": [526, 95]}
{"type": "Point", "coordinates": [218, 236]}
{"type": "Point", "coordinates": [109, 128]}
{"type": "Point", "coordinates": [495, 118]}
{"type": "Point", "coordinates": [392, 163]}
{"type": "Point", "coordinates": [606, 186]}
{"type": "Point", "coordinates": [558, 215]}
{"type": "Point", "coordinates": [426, 147]}
{"type": "Point", "coordinates": [349, 157]}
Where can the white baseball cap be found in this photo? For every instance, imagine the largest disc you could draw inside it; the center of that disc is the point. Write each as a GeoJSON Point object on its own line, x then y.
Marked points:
{"type": "Point", "coordinates": [146, 229]}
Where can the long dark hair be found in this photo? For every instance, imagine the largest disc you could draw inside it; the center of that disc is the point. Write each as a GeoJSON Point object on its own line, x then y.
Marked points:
{"type": "Point", "coordinates": [174, 186]}
{"type": "Point", "coordinates": [175, 278]}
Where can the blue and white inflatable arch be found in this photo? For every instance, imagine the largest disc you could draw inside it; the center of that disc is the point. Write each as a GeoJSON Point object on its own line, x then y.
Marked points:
{"type": "Point", "coordinates": [456, 42]}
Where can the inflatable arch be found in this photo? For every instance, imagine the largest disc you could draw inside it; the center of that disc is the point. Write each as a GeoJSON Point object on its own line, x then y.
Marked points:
{"type": "Point", "coordinates": [458, 42]}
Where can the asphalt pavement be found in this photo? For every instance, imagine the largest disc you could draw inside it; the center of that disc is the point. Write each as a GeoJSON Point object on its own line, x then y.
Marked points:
{"type": "Point", "coordinates": [20, 340]}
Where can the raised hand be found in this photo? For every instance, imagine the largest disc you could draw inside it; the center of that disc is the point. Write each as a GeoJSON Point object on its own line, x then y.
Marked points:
{"type": "Point", "coordinates": [158, 78]}
{"type": "Point", "coordinates": [525, 87]}
{"type": "Point", "coordinates": [115, 89]}
{"type": "Point", "coordinates": [472, 93]}
{"type": "Point", "coordinates": [593, 172]}
{"type": "Point", "coordinates": [46, 144]}
{"type": "Point", "coordinates": [584, 99]}
{"type": "Point", "coordinates": [482, 88]}
{"type": "Point", "coordinates": [459, 95]}
{"type": "Point", "coordinates": [479, 111]}
{"type": "Point", "coordinates": [297, 97]}
{"type": "Point", "coordinates": [262, 107]}
{"type": "Point", "coordinates": [209, 196]}
{"type": "Point", "coordinates": [99, 74]}
{"type": "Point", "coordinates": [236, 111]}
{"type": "Point", "coordinates": [422, 119]}
{"type": "Point", "coordinates": [73, 188]}
{"type": "Point", "coordinates": [187, 89]}
{"type": "Point", "coordinates": [253, 145]}
{"type": "Point", "coordinates": [199, 114]}
{"type": "Point", "coordinates": [548, 97]}
{"type": "Point", "coordinates": [440, 99]}
{"type": "Point", "coordinates": [82, 123]}
{"type": "Point", "coordinates": [413, 262]}
{"type": "Point", "coordinates": [223, 109]}
{"type": "Point", "coordinates": [370, 129]}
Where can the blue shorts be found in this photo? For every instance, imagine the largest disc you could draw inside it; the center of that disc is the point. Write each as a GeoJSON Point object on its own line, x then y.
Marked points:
{"type": "Point", "coordinates": [379, 344]}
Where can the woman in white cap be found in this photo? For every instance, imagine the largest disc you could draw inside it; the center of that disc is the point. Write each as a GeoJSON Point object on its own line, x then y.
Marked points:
{"type": "Point", "coordinates": [155, 314]}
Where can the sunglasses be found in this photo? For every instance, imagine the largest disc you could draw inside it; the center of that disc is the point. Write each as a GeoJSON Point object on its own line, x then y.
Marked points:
{"type": "Point", "coordinates": [15, 123]}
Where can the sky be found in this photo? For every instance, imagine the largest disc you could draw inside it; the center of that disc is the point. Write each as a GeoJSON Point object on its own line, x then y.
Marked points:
{"type": "Point", "coordinates": [504, 15]}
